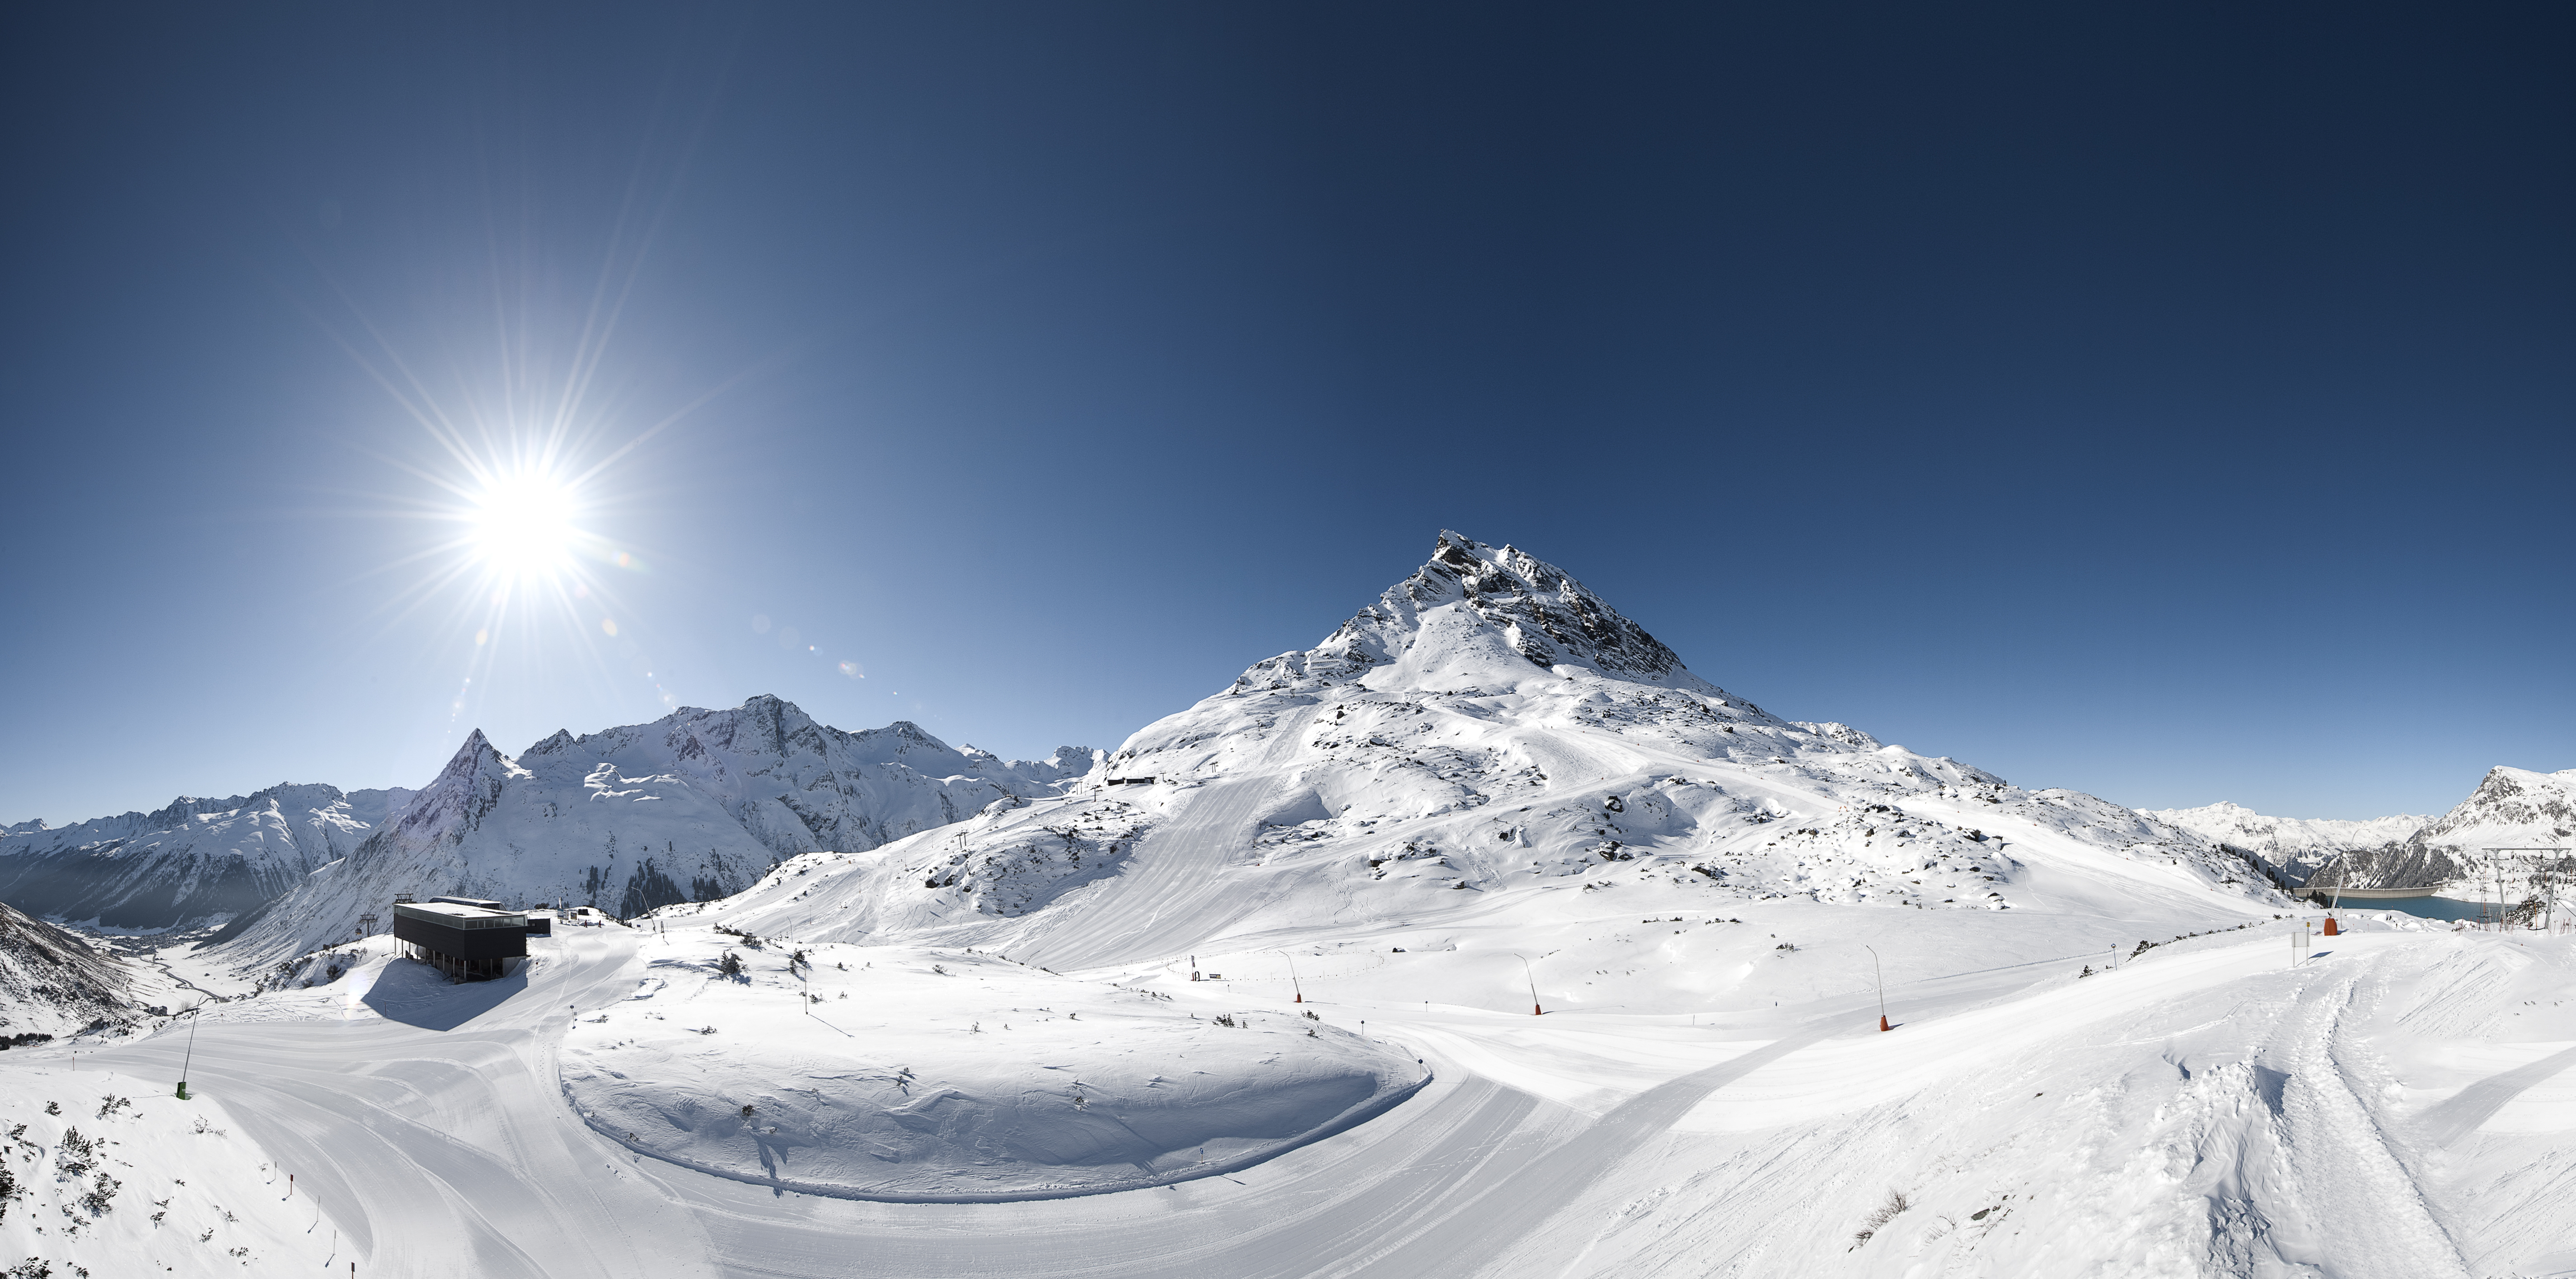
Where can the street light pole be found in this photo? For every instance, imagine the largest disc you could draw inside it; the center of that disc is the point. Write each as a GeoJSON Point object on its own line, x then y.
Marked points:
{"type": "Point", "coordinates": [1882, 986]}
{"type": "Point", "coordinates": [191, 1057]}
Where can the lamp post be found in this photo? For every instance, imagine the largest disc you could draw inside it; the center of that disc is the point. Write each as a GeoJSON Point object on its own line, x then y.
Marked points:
{"type": "Point", "coordinates": [190, 1057]}
{"type": "Point", "coordinates": [1882, 986]}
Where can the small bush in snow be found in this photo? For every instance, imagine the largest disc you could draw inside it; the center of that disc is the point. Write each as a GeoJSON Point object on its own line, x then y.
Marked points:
{"type": "Point", "coordinates": [730, 965]}
{"type": "Point", "coordinates": [111, 1103]}
{"type": "Point", "coordinates": [1879, 1217]}
{"type": "Point", "coordinates": [77, 1154]}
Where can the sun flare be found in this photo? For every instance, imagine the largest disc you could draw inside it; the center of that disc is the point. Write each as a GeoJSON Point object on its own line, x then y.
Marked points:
{"type": "Point", "coordinates": [523, 524]}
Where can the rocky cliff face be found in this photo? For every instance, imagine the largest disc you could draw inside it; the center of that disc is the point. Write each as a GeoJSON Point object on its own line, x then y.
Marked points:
{"type": "Point", "coordinates": [194, 862]}
{"type": "Point", "coordinates": [696, 805]}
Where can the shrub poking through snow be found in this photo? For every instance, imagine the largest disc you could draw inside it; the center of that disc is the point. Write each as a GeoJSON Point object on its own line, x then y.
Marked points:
{"type": "Point", "coordinates": [730, 965]}
{"type": "Point", "coordinates": [76, 1156]}
{"type": "Point", "coordinates": [1880, 1216]}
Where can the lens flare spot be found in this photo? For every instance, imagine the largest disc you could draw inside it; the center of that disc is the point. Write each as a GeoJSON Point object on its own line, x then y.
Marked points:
{"type": "Point", "coordinates": [851, 669]}
{"type": "Point", "coordinates": [482, 635]}
{"type": "Point", "coordinates": [609, 624]}
{"type": "Point", "coordinates": [760, 623]}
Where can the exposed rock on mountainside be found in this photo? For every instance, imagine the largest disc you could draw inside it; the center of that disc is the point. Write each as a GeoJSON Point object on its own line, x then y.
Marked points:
{"type": "Point", "coordinates": [2296, 846]}
{"type": "Point", "coordinates": [1487, 725]}
{"type": "Point", "coordinates": [695, 805]}
{"type": "Point", "coordinates": [195, 861]}
{"type": "Point", "coordinates": [2511, 808]}
{"type": "Point", "coordinates": [53, 983]}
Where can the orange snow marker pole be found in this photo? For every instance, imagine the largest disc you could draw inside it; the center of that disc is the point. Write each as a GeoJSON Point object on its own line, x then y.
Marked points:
{"type": "Point", "coordinates": [2331, 930]}
{"type": "Point", "coordinates": [1882, 988]}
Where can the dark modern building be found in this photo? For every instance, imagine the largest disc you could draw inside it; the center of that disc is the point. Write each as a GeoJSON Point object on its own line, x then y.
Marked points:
{"type": "Point", "coordinates": [461, 937]}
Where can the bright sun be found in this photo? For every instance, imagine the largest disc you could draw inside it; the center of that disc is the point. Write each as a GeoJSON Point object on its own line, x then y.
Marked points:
{"type": "Point", "coordinates": [523, 524]}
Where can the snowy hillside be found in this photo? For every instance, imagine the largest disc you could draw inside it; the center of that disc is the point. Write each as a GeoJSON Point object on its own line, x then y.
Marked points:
{"type": "Point", "coordinates": [53, 983]}
{"type": "Point", "coordinates": [196, 861]}
{"type": "Point", "coordinates": [2297, 845]}
{"type": "Point", "coordinates": [1487, 729]}
{"type": "Point", "coordinates": [695, 805]}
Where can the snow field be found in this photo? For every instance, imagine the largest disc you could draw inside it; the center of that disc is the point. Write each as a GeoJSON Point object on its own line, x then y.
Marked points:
{"type": "Point", "coordinates": [109, 1176]}
{"type": "Point", "coordinates": [920, 1074]}
{"type": "Point", "coordinates": [2220, 1112]}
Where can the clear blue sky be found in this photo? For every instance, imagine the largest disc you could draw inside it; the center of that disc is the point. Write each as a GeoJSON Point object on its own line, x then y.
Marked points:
{"type": "Point", "coordinates": [2170, 402]}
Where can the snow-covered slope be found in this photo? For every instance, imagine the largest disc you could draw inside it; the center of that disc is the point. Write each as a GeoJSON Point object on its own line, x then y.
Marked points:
{"type": "Point", "coordinates": [2296, 845]}
{"type": "Point", "coordinates": [695, 805]}
{"type": "Point", "coordinates": [115, 1177]}
{"type": "Point", "coordinates": [906, 1074]}
{"type": "Point", "coordinates": [1488, 728]}
{"type": "Point", "coordinates": [53, 983]}
{"type": "Point", "coordinates": [195, 861]}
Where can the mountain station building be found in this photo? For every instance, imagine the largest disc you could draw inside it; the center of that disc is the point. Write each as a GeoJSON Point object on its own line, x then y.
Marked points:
{"type": "Point", "coordinates": [463, 937]}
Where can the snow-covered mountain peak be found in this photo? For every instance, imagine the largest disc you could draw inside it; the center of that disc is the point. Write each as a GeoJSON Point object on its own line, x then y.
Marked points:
{"type": "Point", "coordinates": [1478, 617]}
{"type": "Point", "coordinates": [691, 806]}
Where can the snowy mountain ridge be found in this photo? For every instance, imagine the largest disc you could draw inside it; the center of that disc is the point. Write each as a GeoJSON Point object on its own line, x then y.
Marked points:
{"type": "Point", "coordinates": [2297, 846]}
{"type": "Point", "coordinates": [195, 860]}
{"type": "Point", "coordinates": [692, 806]}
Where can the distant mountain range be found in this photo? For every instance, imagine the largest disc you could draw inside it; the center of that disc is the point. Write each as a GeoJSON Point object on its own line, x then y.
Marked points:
{"type": "Point", "coordinates": [2511, 807]}
{"type": "Point", "coordinates": [697, 804]}
{"type": "Point", "coordinates": [193, 861]}
{"type": "Point", "coordinates": [1487, 723]}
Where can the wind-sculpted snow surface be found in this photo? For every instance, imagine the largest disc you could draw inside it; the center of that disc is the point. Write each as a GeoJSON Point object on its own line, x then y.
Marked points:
{"type": "Point", "coordinates": [1488, 726]}
{"type": "Point", "coordinates": [944, 1076]}
{"type": "Point", "coordinates": [195, 861]}
{"type": "Point", "coordinates": [693, 806]}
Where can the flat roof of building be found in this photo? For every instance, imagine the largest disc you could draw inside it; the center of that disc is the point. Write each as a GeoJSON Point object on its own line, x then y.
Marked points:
{"type": "Point", "coordinates": [457, 916]}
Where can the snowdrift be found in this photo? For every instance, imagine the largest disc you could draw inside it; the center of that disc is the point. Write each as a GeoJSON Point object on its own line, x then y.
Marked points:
{"type": "Point", "coordinates": [920, 1075]}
